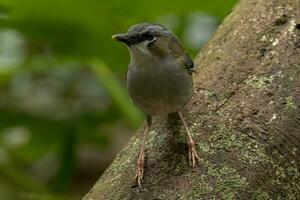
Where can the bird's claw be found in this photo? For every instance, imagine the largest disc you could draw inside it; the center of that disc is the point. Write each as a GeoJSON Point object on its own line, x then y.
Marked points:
{"type": "Point", "coordinates": [193, 156]}
{"type": "Point", "coordinates": [138, 178]}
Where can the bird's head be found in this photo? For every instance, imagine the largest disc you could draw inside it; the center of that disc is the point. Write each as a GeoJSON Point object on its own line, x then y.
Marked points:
{"type": "Point", "coordinates": [147, 39]}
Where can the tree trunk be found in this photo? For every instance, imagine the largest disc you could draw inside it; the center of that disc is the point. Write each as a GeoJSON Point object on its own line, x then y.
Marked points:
{"type": "Point", "coordinates": [246, 122]}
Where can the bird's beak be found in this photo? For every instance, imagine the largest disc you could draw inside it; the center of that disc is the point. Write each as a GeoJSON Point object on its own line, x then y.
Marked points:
{"type": "Point", "coordinates": [122, 37]}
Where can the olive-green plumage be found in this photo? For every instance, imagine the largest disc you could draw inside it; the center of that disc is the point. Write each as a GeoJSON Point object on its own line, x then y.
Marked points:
{"type": "Point", "coordinates": [159, 76]}
{"type": "Point", "coordinates": [159, 79]}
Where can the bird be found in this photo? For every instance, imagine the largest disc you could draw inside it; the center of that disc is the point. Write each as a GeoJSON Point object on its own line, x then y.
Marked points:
{"type": "Point", "coordinates": [159, 80]}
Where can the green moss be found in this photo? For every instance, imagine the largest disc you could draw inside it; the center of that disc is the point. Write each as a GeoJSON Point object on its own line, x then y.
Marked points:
{"type": "Point", "coordinates": [228, 195]}
{"type": "Point", "coordinates": [226, 95]}
{"type": "Point", "coordinates": [154, 139]}
{"type": "Point", "coordinates": [227, 180]}
{"type": "Point", "coordinates": [230, 183]}
{"type": "Point", "coordinates": [259, 194]}
{"type": "Point", "coordinates": [224, 139]}
{"type": "Point", "coordinates": [204, 147]}
{"type": "Point", "coordinates": [290, 105]}
{"type": "Point", "coordinates": [227, 184]}
{"type": "Point", "coordinates": [260, 82]}
{"type": "Point", "coordinates": [287, 178]}
{"type": "Point", "coordinates": [254, 153]}
{"type": "Point", "coordinates": [199, 191]}
{"type": "Point", "coordinates": [250, 151]}
{"type": "Point", "coordinates": [210, 94]}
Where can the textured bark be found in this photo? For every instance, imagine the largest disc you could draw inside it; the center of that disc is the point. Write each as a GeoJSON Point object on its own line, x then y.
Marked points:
{"type": "Point", "coordinates": [246, 122]}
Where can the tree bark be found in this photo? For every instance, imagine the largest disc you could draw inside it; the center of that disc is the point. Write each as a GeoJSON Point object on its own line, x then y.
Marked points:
{"type": "Point", "coordinates": [246, 122]}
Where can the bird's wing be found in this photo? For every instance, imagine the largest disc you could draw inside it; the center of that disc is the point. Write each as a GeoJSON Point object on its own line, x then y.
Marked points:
{"type": "Point", "coordinates": [182, 56]}
{"type": "Point", "coordinates": [188, 63]}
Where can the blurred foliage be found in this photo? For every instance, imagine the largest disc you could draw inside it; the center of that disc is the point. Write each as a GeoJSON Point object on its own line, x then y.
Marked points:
{"type": "Point", "coordinates": [64, 110]}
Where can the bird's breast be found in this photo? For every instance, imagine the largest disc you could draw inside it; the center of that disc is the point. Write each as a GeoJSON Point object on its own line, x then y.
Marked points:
{"type": "Point", "coordinates": [158, 89]}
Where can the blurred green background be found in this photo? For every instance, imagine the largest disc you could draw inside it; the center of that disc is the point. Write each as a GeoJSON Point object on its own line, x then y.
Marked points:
{"type": "Point", "coordinates": [64, 109]}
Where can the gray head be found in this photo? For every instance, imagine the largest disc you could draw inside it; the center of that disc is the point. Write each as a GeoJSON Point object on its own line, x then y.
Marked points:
{"type": "Point", "coordinates": [150, 39]}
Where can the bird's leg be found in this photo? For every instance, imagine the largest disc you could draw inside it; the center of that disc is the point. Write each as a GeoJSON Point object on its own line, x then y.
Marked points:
{"type": "Point", "coordinates": [141, 159]}
{"type": "Point", "coordinates": [193, 156]}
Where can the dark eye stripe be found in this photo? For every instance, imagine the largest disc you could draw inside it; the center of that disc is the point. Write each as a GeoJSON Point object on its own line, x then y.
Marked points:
{"type": "Point", "coordinates": [148, 36]}
{"type": "Point", "coordinates": [137, 38]}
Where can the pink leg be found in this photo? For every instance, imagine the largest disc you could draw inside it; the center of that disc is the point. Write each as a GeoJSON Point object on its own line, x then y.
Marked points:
{"type": "Point", "coordinates": [141, 159]}
{"type": "Point", "coordinates": [193, 156]}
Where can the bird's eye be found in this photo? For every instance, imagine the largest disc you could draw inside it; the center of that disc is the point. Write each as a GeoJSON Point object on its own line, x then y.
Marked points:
{"type": "Point", "coordinates": [149, 36]}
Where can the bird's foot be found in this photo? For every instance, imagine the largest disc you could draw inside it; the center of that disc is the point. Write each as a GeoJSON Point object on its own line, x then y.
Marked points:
{"type": "Point", "coordinates": [193, 156]}
{"type": "Point", "coordinates": [138, 178]}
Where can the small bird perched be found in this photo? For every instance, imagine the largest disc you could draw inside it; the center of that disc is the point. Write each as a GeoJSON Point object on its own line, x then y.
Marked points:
{"type": "Point", "coordinates": [159, 79]}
